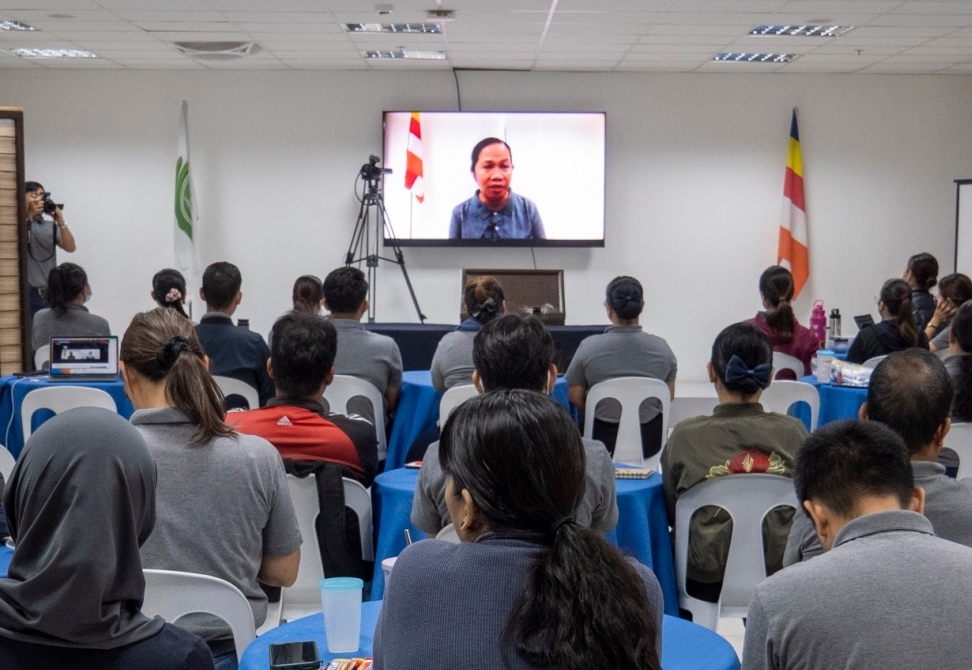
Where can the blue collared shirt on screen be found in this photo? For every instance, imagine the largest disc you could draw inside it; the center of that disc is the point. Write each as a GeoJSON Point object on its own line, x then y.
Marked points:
{"type": "Point", "coordinates": [518, 219]}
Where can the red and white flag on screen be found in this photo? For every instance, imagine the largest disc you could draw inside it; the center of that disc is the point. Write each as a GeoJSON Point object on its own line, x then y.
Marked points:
{"type": "Point", "coordinates": [793, 252]}
{"type": "Point", "coordinates": [413, 158]}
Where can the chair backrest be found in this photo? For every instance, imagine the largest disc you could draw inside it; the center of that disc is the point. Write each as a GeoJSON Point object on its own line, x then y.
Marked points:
{"type": "Point", "coordinates": [171, 595]}
{"type": "Point", "coordinates": [448, 534]}
{"type": "Point", "coordinates": [959, 438]}
{"type": "Point", "coordinates": [783, 361]}
{"type": "Point", "coordinates": [344, 388]}
{"type": "Point", "coordinates": [230, 386]}
{"type": "Point", "coordinates": [42, 356]}
{"type": "Point", "coordinates": [630, 392]}
{"type": "Point", "coordinates": [454, 397]}
{"type": "Point", "coordinates": [748, 499]}
{"type": "Point", "coordinates": [873, 362]}
{"type": "Point", "coordinates": [782, 394]}
{"type": "Point", "coordinates": [61, 398]}
{"type": "Point", "coordinates": [7, 463]}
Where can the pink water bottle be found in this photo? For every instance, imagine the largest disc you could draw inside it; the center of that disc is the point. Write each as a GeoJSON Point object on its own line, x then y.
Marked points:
{"type": "Point", "coordinates": [818, 323]}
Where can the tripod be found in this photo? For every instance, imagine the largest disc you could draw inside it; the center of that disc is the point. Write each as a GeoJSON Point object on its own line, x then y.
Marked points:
{"type": "Point", "coordinates": [366, 239]}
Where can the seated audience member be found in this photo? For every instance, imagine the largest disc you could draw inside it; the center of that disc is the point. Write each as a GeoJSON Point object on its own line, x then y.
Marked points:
{"type": "Point", "coordinates": [223, 504]}
{"type": "Point", "coordinates": [922, 275]}
{"type": "Point", "coordinates": [4, 533]}
{"type": "Point", "coordinates": [887, 593]}
{"type": "Point", "coordinates": [528, 586]}
{"type": "Point", "coordinates": [953, 291]}
{"type": "Point", "coordinates": [779, 323]}
{"type": "Point", "coordinates": [513, 352]}
{"type": "Point", "coordinates": [623, 350]}
{"type": "Point", "coordinates": [738, 438]}
{"type": "Point", "coordinates": [895, 331]}
{"type": "Point", "coordinates": [308, 294]}
{"type": "Point", "coordinates": [81, 502]}
{"type": "Point", "coordinates": [295, 422]}
{"type": "Point", "coordinates": [233, 352]}
{"type": "Point", "coordinates": [910, 392]}
{"type": "Point", "coordinates": [959, 363]}
{"type": "Point", "coordinates": [363, 354]}
{"type": "Point", "coordinates": [67, 291]}
{"type": "Point", "coordinates": [452, 364]}
{"type": "Point", "coordinates": [169, 290]}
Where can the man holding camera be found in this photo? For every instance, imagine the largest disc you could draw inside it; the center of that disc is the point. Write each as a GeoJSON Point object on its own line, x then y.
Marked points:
{"type": "Point", "coordinates": [43, 238]}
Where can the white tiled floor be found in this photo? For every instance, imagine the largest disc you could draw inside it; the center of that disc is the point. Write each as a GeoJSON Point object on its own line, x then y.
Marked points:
{"type": "Point", "coordinates": [733, 631]}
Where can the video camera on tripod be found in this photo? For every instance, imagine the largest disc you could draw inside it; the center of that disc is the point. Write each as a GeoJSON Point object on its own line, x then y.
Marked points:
{"type": "Point", "coordinates": [370, 171]}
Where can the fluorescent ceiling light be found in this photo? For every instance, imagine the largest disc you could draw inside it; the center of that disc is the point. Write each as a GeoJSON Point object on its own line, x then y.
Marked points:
{"type": "Point", "coordinates": [15, 25]}
{"type": "Point", "coordinates": [399, 54]}
{"type": "Point", "coordinates": [52, 53]}
{"type": "Point", "coordinates": [753, 58]}
{"type": "Point", "coordinates": [801, 31]}
{"type": "Point", "coordinates": [420, 28]}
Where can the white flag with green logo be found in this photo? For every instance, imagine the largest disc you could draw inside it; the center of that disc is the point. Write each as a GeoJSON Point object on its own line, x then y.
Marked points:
{"type": "Point", "coordinates": [186, 212]}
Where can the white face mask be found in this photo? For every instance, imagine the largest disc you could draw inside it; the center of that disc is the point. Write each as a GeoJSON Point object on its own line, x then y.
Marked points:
{"type": "Point", "coordinates": [87, 297]}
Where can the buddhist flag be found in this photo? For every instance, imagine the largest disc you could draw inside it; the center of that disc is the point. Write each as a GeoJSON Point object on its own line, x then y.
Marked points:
{"type": "Point", "coordinates": [792, 251]}
{"type": "Point", "coordinates": [413, 158]}
{"type": "Point", "coordinates": [186, 212]}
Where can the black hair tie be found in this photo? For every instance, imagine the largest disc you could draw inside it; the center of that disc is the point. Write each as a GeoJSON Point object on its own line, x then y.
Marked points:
{"type": "Point", "coordinates": [169, 352]}
{"type": "Point", "coordinates": [489, 306]}
{"type": "Point", "coordinates": [560, 523]}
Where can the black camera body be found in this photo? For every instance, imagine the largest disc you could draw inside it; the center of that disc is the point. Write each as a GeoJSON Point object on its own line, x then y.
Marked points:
{"type": "Point", "coordinates": [370, 171]}
{"type": "Point", "coordinates": [50, 206]}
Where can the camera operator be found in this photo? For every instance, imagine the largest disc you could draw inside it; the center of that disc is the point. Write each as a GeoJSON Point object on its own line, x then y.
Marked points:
{"type": "Point", "coordinates": [42, 236]}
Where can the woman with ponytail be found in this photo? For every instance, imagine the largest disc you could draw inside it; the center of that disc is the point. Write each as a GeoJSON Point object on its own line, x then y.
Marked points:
{"type": "Point", "coordinates": [921, 273]}
{"type": "Point", "coordinates": [452, 364]}
{"type": "Point", "coordinates": [738, 438]}
{"type": "Point", "coordinates": [169, 290]}
{"type": "Point", "coordinates": [778, 322]}
{"type": "Point", "coordinates": [527, 587]}
{"type": "Point", "coordinates": [623, 350]}
{"type": "Point", "coordinates": [308, 294]}
{"type": "Point", "coordinates": [67, 292]}
{"type": "Point", "coordinates": [223, 505]}
{"type": "Point", "coordinates": [896, 330]}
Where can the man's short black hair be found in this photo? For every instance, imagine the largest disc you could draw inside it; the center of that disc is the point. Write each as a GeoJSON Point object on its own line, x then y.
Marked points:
{"type": "Point", "coordinates": [910, 391]}
{"type": "Point", "coordinates": [846, 461]}
{"type": "Point", "coordinates": [220, 284]}
{"type": "Point", "coordinates": [513, 352]}
{"type": "Point", "coordinates": [304, 347]}
{"type": "Point", "coordinates": [32, 187]}
{"type": "Point", "coordinates": [345, 289]}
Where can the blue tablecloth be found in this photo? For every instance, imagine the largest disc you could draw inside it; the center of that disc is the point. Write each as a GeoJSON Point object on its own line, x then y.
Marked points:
{"type": "Point", "coordinates": [418, 412]}
{"type": "Point", "coordinates": [642, 529]}
{"type": "Point", "coordinates": [14, 389]}
{"type": "Point", "coordinates": [837, 402]}
{"type": "Point", "coordinates": [6, 553]}
{"type": "Point", "coordinates": [685, 646]}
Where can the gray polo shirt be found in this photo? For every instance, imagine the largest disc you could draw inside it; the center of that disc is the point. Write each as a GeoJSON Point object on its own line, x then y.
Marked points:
{"type": "Point", "coordinates": [452, 364]}
{"type": "Point", "coordinates": [76, 321]}
{"type": "Point", "coordinates": [367, 355]}
{"type": "Point", "coordinates": [889, 595]}
{"type": "Point", "coordinates": [621, 351]}
{"type": "Point", "coordinates": [42, 251]}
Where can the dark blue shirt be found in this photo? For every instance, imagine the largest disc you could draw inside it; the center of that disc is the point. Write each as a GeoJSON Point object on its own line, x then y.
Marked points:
{"type": "Point", "coordinates": [236, 352]}
{"type": "Point", "coordinates": [518, 219]}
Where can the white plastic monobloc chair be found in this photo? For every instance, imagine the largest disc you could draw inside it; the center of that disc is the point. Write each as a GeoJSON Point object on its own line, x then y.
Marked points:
{"type": "Point", "coordinates": [61, 398]}
{"type": "Point", "coordinates": [42, 356]}
{"type": "Point", "coordinates": [782, 394]}
{"type": "Point", "coordinates": [873, 362]}
{"type": "Point", "coordinates": [448, 534]}
{"type": "Point", "coordinates": [630, 392]}
{"type": "Point", "coordinates": [454, 397]}
{"type": "Point", "coordinates": [959, 439]}
{"type": "Point", "coordinates": [748, 499]}
{"type": "Point", "coordinates": [7, 463]}
{"type": "Point", "coordinates": [171, 595]}
{"type": "Point", "coordinates": [344, 388]}
{"type": "Point", "coordinates": [786, 362]}
{"type": "Point", "coordinates": [230, 386]}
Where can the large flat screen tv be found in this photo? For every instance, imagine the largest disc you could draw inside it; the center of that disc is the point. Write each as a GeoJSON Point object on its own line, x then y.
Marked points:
{"type": "Point", "coordinates": [538, 178]}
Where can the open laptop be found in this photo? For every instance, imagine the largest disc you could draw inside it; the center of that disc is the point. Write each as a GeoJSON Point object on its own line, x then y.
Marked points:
{"type": "Point", "coordinates": [84, 359]}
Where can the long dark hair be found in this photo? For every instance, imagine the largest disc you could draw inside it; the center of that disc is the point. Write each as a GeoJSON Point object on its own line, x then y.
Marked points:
{"type": "Point", "coordinates": [776, 285]}
{"type": "Point", "coordinates": [924, 270]}
{"type": "Point", "coordinates": [308, 293]}
{"type": "Point", "coordinates": [483, 297]}
{"type": "Point", "coordinates": [169, 290]}
{"type": "Point", "coordinates": [752, 347]}
{"type": "Point", "coordinates": [962, 332]}
{"type": "Point", "coordinates": [896, 296]}
{"type": "Point", "coordinates": [161, 345]}
{"type": "Point", "coordinates": [65, 283]}
{"type": "Point", "coordinates": [625, 296]}
{"type": "Point", "coordinates": [956, 287]}
{"type": "Point", "coordinates": [582, 605]}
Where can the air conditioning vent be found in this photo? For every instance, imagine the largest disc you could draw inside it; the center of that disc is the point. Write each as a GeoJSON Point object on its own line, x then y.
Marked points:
{"type": "Point", "coordinates": [218, 51]}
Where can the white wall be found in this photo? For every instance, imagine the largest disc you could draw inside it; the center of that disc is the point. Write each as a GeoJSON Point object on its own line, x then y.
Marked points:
{"type": "Point", "coordinates": [694, 182]}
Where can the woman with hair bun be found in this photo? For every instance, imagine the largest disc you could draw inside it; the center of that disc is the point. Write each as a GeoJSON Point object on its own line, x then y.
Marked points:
{"type": "Point", "coordinates": [452, 364]}
{"type": "Point", "coordinates": [67, 292]}
{"type": "Point", "coordinates": [169, 290]}
{"type": "Point", "coordinates": [623, 350]}
{"type": "Point", "coordinates": [922, 275]}
{"type": "Point", "coordinates": [527, 587]}
{"type": "Point", "coordinates": [895, 331]}
{"type": "Point", "coordinates": [738, 438]}
{"type": "Point", "coordinates": [954, 290]}
{"type": "Point", "coordinates": [778, 322]}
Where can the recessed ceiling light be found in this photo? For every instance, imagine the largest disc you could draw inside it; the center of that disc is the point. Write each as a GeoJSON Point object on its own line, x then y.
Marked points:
{"type": "Point", "coordinates": [753, 58]}
{"type": "Point", "coordinates": [61, 16]}
{"type": "Point", "coordinates": [421, 28]}
{"type": "Point", "coordinates": [399, 54]}
{"type": "Point", "coordinates": [805, 30]}
{"type": "Point", "coordinates": [15, 25]}
{"type": "Point", "coordinates": [52, 53]}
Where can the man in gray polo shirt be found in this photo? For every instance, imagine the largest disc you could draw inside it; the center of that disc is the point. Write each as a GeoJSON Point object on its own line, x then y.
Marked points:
{"type": "Point", "coordinates": [911, 393]}
{"type": "Point", "coordinates": [43, 238]}
{"type": "Point", "coordinates": [360, 353]}
{"type": "Point", "coordinates": [887, 593]}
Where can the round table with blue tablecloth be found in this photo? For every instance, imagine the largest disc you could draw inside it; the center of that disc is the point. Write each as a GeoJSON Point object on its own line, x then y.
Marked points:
{"type": "Point", "coordinates": [837, 402]}
{"type": "Point", "coordinates": [642, 529]}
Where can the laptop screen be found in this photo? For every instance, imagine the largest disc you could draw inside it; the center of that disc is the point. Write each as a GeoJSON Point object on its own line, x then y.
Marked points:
{"type": "Point", "coordinates": [84, 356]}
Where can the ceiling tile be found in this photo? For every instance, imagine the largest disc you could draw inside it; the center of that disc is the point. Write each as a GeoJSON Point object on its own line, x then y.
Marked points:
{"type": "Point", "coordinates": [261, 5]}
{"type": "Point", "coordinates": [933, 8]}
